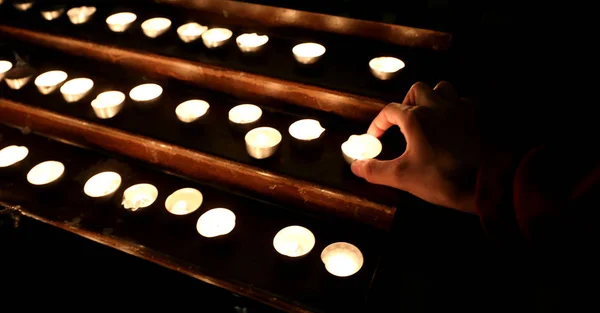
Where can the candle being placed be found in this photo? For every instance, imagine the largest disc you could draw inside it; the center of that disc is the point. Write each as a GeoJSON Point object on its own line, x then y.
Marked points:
{"type": "Point", "coordinates": [49, 81]}
{"type": "Point", "coordinates": [52, 14]}
{"type": "Point", "coordinates": [216, 37]}
{"type": "Point", "coordinates": [80, 15]}
{"type": "Point", "coordinates": [342, 259]}
{"type": "Point", "coordinates": [294, 241]}
{"type": "Point", "coordinates": [145, 92]}
{"type": "Point", "coordinates": [190, 31]}
{"type": "Point", "coordinates": [308, 53]}
{"type": "Point", "coordinates": [5, 66]}
{"type": "Point", "coordinates": [262, 142]}
{"type": "Point", "coordinates": [361, 147]}
{"type": "Point", "coordinates": [23, 5]}
{"type": "Point", "coordinates": [75, 89]}
{"type": "Point", "coordinates": [216, 222]}
{"type": "Point", "coordinates": [245, 114]}
{"type": "Point", "coordinates": [120, 22]}
{"type": "Point", "coordinates": [108, 104]}
{"type": "Point", "coordinates": [307, 129]}
{"type": "Point", "coordinates": [156, 26]}
{"type": "Point", "coordinates": [385, 68]}
{"type": "Point", "coordinates": [102, 184]}
{"type": "Point", "coordinates": [251, 42]}
{"type": "Point", "coordinates": [184, 201]}
{"type": "Point", "coordinates": [191, 110]}
{"type": "Point", "coordinates": [12, 154]}
{"type": "Point", "coordinates": [139, 196]}
{"type": "Point", "coordinates": [45, 173]}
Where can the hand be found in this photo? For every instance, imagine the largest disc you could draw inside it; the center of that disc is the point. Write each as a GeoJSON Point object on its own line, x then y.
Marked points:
{"type": "Point", "coordinates": [442, 147]}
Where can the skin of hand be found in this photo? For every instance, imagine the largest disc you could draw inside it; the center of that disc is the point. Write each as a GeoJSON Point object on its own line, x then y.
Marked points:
{"type": "Point", "coordinates": [442, 153]}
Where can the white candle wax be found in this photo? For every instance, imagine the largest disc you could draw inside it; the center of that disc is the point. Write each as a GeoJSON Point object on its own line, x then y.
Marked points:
{"type": "Point", "coordinates": [361, 147]}
{"type": "Point", "coordinates": [145, 92]}
{"type": "Point", "coordinates": [216, 37]}
{"type": "Point", "coordinates": [184, 201]}
{"type": "Point", "coordinates": [120, 22]}
{"type": "Point", "coordinates": [294, 241]}
{"type": "Point", "coordinates": [23, 5]}
{"type": "Point", "coordinates": [245, 114]}
{"type": "Point", "coordinates": [251, 42]}
{"type": "Point", "coordinates": [108, 104]}
{"type": "Point", "coordinates": [80, 15]}
{"type": "Point", "coordinates": [102, 184]}
{"type": "Point", "coordinates": [5, 66]}
{"type": "Point", "coordinates": [75, 89]}
{"type": "Point", "coordinates": [12, 154]}
{"type": "Point", "coordinates": [216, 222]}
{"type": "Point", "coordinates": [190, 31]}
{"type": "Point", "coordinates": [156, 26]}
{"type": "Point", "coordinates": [342, 259]}
{"type": "Point", "coordinates": [52, 14]}
{"type": "Point", "coordinates": [385, 67]}
{"type": "Point", "coordinates": [308, 53]}
{"type": "Point", "coordinates": [45, 173]}
{"type": "Point", "coordinates": [49, 81]}
{"type": "Point", "coordinates": [307, 129]}
{"type": "Point", "coordinates": [139, 196]}
{"type": "Point", "coordinates": [262, 142]}
{"type": "Point", "coordinates": [191, 110]}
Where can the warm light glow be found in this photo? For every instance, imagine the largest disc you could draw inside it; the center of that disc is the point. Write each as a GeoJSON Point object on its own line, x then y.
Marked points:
{"type": "Point", "coordinates": [5, 66]}
{"type": "Point", "coordinates": [108, 104]}
{"type": "Point", "coordinates": [361, 147]}
{"type": "Point", "coordinates": [12, 154]}
{"type": "Point", "coordinates": [80, 15]}
{"type": "Point", "coordinates": [23, 6]}
{"type": "Point", "coordinates": [49, 81]}
{"type": "Point", "coordinates": [216, 37]}
{"type": "Point", "coordinates": [155, 27]}
{"type": "Point", "coordinates": [342, 259]}
{"type": "Point", "coordinates": [45, 173]}
{"type": "Point", "coordinates": [53, 14]}
{"type": "Point", "coordinates": [75, 89]}
{"type": "Point", "coordinates": [262, 142]}
{"type": "Point", "coordinates": [308, 53]}
{"type": "Point", "coordinates": [102, 184]}
{"type": "Point", "coordinates": [190, 31]}
{"type": "Point", "coordinates": [245, 114]}
{"type": "Point", "coordinates": [216, 222]}
{"type": "Point", "coordinates": [294, 241]}
{"type": "Point", "coordinates": [145, 92]}
{"type": "Point", "coordinates": [191, 110]}
{"type": "Point", "coordinates": [251, 42]}
{"type": "Point", "coordinates": [139, 196]}
{"type": "Point", "coordinates": [119, 22]}
{"type": "Point", "coordinates": [385, 67]}
{"type": "Point", "coordinates": [184, 201]}
{"type": "Point", "coordinates": [307, 129]}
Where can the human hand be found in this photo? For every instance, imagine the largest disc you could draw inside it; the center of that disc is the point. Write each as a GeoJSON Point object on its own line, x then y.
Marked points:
{"type": "Point", "coordinates": [442, 153]}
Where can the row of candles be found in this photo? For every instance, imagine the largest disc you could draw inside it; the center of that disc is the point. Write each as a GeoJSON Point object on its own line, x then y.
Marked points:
{"type": "Point", "coordinates": [384, 67]}
{"type": "Point", "coordinates": [261, 142]}
{"type": "Point", "coordinates": [341, 259]}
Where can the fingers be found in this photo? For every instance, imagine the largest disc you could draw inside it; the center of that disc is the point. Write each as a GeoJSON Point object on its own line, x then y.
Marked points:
{"type": "Point", "coordinates": [393, 114]}
{"type": "Point", "coordinates": [446, 91]}
{"type": "Point", "coordinates": [421, 94]}
{"type": "Point", "coordinates": [380, 172]}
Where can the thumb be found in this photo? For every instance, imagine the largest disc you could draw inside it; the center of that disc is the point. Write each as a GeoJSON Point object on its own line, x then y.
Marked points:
{"type": "Point", "coordinates": [378, 172]}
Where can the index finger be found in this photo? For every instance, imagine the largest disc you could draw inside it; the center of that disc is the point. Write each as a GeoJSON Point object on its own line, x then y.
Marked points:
{"type": "Point", "coordinates": [392, 114]}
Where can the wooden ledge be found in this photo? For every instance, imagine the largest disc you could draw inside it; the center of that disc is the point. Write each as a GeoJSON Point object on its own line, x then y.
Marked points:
{"type": "Point", "coordinates": [199, 165]}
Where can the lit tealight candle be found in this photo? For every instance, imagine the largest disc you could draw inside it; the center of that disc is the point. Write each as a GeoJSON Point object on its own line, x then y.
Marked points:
{"type": "Point", "coordinates": [80, 15]}
{"type": "Point", "coordinates": [342, 259]}
{"type": "Point", "coordinates": [294, 241]}
{"type": "Point", "coordinates": [156, 26]}
{"type": "Point", "coordinates": [216, 222]}
{"type": "Point", "coordinates": [385, 68]}
{"type": "Point", "coordinates": [306, 129]}
{"type": "Point", "coordinates": [102, 184]}
{"type": "Point", "coordinates": [216, 37]}
{"type": "Point", "coordinates": [75, 89]}
{"type": "Point", "coordinates": [139, 196]}
{"type": "Point", "coordinates": [45, 173]}
{"type": "Point", "coordinates": [145, 92]}
{"type": "Point", "coordinates": [108, 104]}
{"type": "Point", "coordinates": [191, 110]}
{"type": "Point", "coordinates": [308, 53]}
{"type": "Point", "coordinates": [251, 42]}
{"type": "Point", "coordinates": [52, 14]}
{"type": "Point", "coordinates": [23, 5]}
{"type": "Point", "coordinates": [12, 154]}
{"type": "Point", "coordinates": [245, 114]}
{"type": "Point", "coordinates": [49, 81]}
{"type": "Point", "coordinates": [361, 147]}
{"type": "Point", "coordinates": [5, 66]}
{"type": "Point", "coordinates": [262, 142]}
{"type": "Point", "coordinates": [190, 31]}
{"type": "Point", "coordinates": [184, 201]}
{"type": "Point", "coordinates": [120, 22]}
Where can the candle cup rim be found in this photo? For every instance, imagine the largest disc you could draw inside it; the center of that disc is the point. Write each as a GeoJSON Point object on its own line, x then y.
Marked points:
{"type": "Point", "coordinates": [22, 151]}
{"type": "Point", "coordinates": [245, 105]}
{"type": "Point", "coordinates": [322, 129]}
{"type": "Point", "coordinates": [37, 167]}
{"type": "Point", "coordinates": [279, 137]}
{"type": "Point", "coordinates": [349, 246]}
{"type": "Point", "coordinates": [91, 8]}
{"type": "Point", "coordinates": [307, 231]}
{"type": "Point", "coordinates": [237, 40]}
{"type": "Point", "coordinates": [79, 79]}
{"type": "Point", "coordinates": [151, 190]}
{"type": "Point", "coordinates": [88, 186]}
{"type": "Point", "coordinates": [121, 97]}
{"type": "Point", "coordinates": [62, 75]}
{"type": "Point", "coordinates": [131, 18]}
{"type": "Point", "coordinates": [347, 142]}
{"type": "Point", "coordinates": [208, 214]}
{"type": "Point", "coordinates": [401, 64]}
{"type": "Point", "coordinates": [171, 198]}
{"type": "Point", "coordinates": [320, 47]}
{"type": "Point", "coordinates": [146, 85]}
{"type": "Point", "coordinates": [192, 103]}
